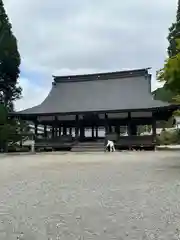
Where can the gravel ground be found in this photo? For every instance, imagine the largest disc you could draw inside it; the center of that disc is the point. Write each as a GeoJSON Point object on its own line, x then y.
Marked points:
{"type": "Point", "coordinates": [129, 195]}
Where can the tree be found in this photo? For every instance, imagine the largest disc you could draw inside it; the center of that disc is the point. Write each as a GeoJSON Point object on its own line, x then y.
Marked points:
{"type": "Point", "coordinates": [9, 62]}
{"type": "Point", "coordinates": [12, 131]}
{"type": "Point", "coordinates": [170, 73]}
{"type": "Point", "coordinates": [174, 33]}
{"type": "Point", "coordinates": [9, 74]}
{"type": "Point", "coordinates": [8, 129]}
{"type": "Point", "coordinates": [163, 94]}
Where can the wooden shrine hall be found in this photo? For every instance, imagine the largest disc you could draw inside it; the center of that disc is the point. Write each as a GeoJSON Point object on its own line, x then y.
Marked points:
{"type": "Point", "coordinates": [110, 102]}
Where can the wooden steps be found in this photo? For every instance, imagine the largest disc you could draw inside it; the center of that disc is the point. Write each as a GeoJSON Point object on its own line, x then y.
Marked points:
{"type": "Point", "coordinates": [88, 147]}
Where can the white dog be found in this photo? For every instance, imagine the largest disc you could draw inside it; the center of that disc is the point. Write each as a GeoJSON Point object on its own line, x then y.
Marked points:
{"type": "Point", "coordinates": [110, 144]}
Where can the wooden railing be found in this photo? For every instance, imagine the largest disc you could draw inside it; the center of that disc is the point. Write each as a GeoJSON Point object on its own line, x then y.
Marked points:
{"type": "Point", "coordinates": [136, 141]}
{"type": "Point", "coordinates": [56, 142]}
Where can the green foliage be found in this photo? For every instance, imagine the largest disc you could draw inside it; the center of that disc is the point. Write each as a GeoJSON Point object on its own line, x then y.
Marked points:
{"type": "Point", "coordinates": [3, 114]}
{"type": "Point", "coordinates": [7, 128]}
{"type": "Point", "coordinates": [9, 74]}
{"type": "Point", "coordinates": [9, 62]}
{"type": "Point", "coordinates": [177, 113]}
{"type": "Point", "coordinates": [170, 73]}
{"type": "Point", "coordinates": [169, 137]}
{"type": "Point", "coordinates": [170, 123]}
{"type": "Point", "coordinates": [11, 130]}
{"type": "Point", "coordinates": [144, 128]}
{"type": "Point", "coordinates": [174, 33]}
{"type": "Point", "coordinates": [163, 94]}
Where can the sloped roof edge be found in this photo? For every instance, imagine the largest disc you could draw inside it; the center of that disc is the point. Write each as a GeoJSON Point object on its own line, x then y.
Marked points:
{"type": "Point", "coordinates": [102, 75]}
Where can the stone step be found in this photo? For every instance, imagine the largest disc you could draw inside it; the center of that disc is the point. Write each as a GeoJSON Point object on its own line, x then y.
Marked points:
{"type": "Point", "coordinates": [88, 147]}
{"type": "Point", "coordinates": [90, 143]}
{"type": "Point", "coordinates": [87, 150]}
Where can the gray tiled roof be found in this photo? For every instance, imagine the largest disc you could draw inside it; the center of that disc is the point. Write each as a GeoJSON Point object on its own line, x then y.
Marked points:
{"type": "Point", "coordinates": [98, 95]}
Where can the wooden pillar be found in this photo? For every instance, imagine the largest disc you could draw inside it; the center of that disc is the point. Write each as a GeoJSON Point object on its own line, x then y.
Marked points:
{"type": "Point", "coordinates": [64, 130]}
{"type": "Point", "coordinates": [53, 130]}
{"type": "Point", "coordinates": [133, 129]}
{"type": "Point", "coordinates": [56, 126]}
{"type": "Point", "coordinates": [45, 131]}
{"type": "Point", "coordinates": [109, 128]}
{"type": "Point", "coordinates": [154, 128]}
{"type": "Point", "coordinates": [77, 127]}
{"type": "Point", "coordinates": [56, 131]}
{"type": "Point", "coordinates": [92, 129]}
{"type": "Point", "coordinates": [21, 130]}
{"type": "Point", "coordinates": [117, 129]}
{"type": "Point", "coordinates": [129, 130]}
{"type": "Point", "coordinates": [129, 124]}
{"type": "Point", "coordinates": [36, 129]}
{"type": "Point", "coordinates": [82, 132]}
{"type": "Point", "coordinates": [96, 131]}
{"type": "Point", "coordinates": [60, 130]}
{"type": "Point", "coordinates": [106, 124]}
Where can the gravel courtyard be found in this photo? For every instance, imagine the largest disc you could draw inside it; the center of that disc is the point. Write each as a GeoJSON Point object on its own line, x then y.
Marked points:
{"type": "Point", "coordinates": [130, 195]}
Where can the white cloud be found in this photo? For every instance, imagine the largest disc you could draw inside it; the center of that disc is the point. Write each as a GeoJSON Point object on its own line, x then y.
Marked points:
{"type": "Point", "coordinates": [32, 94]}
{"type": "Point", "coordinates": [83, 36]}
{"type": "Point", "coordinates": [90, 34]}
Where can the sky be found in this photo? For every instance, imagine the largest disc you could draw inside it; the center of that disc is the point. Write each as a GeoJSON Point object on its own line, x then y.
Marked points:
{"type": "Point", "coordinates": [85, 36]}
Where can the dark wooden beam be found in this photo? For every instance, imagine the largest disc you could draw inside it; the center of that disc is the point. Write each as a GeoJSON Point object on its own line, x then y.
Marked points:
{"type": "Point", "coordinates": [70, 130]}
{"type": "Point", "coordinates": [53, 132]}
{"type": "Point", "coordinates": [64, 130]}
{"type": "Point", "coordinates": [97, 132]}
{"type": "Point", "coordinates": [106, 123]}
{"type": "Point", "coordinates": [45, 131]}
{"type": "Point", "coordinates": [129, 124]}
{"type": "Point", "coordinates": [36, 128]}
{"type": "Point", "coordinates": [82, 133]}
{"type": "Point", "coordinates": [92, 131]}
{"type": "Point", "coordinates": [154, 127]}
{"type": "Point", "coordinates": [77, 127]}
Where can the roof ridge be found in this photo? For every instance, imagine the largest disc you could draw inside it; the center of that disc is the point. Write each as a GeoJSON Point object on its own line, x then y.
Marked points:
{"type": "Point", "coordinates": [102, 76]}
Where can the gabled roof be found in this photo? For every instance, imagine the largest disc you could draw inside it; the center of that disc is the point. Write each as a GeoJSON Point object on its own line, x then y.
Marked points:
{"type": "Point", "coordinates": [101, 92]}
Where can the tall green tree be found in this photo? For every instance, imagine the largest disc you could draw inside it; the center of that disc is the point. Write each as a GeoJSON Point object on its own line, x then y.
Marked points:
{"type": "Point", "coordinates": [9, 62]}
{"type": "Point", "coordinates": [9, 74]}
{"type": "Point", "coordinates": [170, 73]}
{"type": "Point", "coordinates": [174, 33]}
